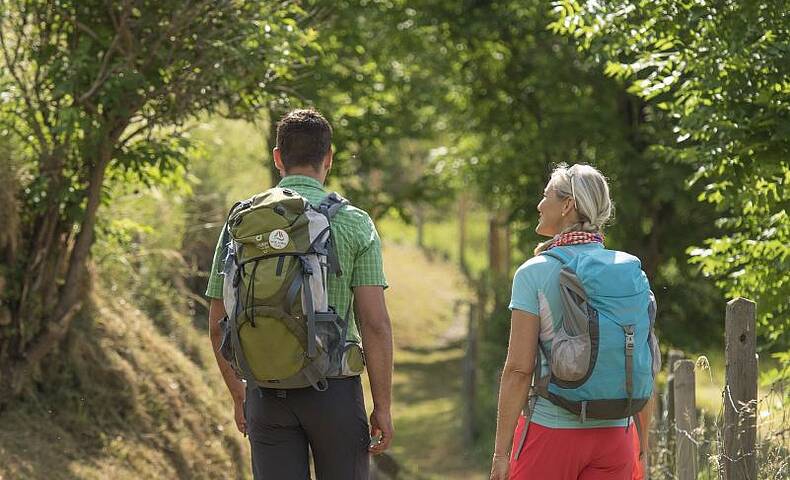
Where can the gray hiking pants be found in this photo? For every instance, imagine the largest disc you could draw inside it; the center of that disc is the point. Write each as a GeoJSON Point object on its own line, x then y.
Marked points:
{"type": "Point", "coordinates": [282, 423]}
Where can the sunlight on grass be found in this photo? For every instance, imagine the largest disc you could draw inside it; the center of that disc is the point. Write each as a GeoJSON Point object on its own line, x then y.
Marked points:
{"type": "Point", "coordinates": [442, 237]}
{"type": "Point", "coordinates": [428, 334]}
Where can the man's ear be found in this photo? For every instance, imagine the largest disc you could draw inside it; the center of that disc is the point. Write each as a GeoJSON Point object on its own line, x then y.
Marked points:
{"type": "Point", "coordinates": [278, 161]}
{"type": "Point", "coordinates": [328, 159]}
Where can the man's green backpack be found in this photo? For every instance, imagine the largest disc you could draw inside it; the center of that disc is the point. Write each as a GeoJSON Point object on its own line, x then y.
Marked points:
{"type": "Point", "coordinates": [280, 331]}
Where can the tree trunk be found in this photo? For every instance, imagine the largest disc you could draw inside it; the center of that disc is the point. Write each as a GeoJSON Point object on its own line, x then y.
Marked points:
{"type": "Point", "coordinates": [420, 221]}
{"type": "Point", "coordinates": [499, 245]}
{"type": "Point", "coordinates": [45, 328]}
{"type": "Point", "coordinates": [463, 203]}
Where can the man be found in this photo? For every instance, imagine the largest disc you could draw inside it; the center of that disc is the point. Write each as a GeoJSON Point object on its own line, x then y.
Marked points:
{"type": "Point", "coordinates": [281, 424]}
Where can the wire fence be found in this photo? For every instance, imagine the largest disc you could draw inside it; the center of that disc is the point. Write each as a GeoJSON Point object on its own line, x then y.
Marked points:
{"type": "Point", "coordinates": [771, 414]}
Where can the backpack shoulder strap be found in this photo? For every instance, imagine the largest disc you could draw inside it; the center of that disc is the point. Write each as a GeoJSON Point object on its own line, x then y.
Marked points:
{"type": "Point", "coordinates": [331, 204]}
{"type": "Point", "coordinates": [328, 207]}
{"type": "Point", "coordinates": [561, 254]}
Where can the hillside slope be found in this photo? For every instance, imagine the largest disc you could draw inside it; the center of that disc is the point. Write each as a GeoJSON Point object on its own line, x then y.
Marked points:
{"type": "Point", "coordinates": [129, 401]}
{"type": "Point", "coordinates": [133, 398]}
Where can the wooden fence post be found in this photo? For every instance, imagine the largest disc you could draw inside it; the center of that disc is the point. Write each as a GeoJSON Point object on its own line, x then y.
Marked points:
{"type": "Point", "coordinates": [469, 391]}
{"type": "Point", "coordinates": [740, 391]}
{"type": "Point", "coordinates": [672, 357]}
{"type": "Point", "coordinates": [685, 421]}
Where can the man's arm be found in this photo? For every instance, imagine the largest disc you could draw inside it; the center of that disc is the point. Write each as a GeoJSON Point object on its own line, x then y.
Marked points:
{"type": "Point", "coordinates": [376, 332]}
{"type": "Point", "coordinates": [236, 387]}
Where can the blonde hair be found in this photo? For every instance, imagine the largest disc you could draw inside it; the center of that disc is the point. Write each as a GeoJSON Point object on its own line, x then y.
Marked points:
{"type": "Point", "coordinates": [590, 193]}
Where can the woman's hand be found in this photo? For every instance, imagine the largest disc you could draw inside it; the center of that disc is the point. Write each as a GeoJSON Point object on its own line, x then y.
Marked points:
{"type": "Point", "coordinates": [500, 467]}
{"type": "Point", "coordinates": [514, 386]}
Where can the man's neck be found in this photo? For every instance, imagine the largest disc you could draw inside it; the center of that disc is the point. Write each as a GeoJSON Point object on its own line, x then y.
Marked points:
{"type": "Point", "coordinates": [307, 172]}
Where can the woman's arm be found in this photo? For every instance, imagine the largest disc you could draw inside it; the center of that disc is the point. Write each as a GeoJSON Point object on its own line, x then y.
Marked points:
{"type": "Point", "coordinates": [516, 377]}
{"type": "Point", "coordinates": [645, 417]}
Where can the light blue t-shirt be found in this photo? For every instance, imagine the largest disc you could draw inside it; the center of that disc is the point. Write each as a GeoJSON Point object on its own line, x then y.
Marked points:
{"type": "Point", "coordinates": [536, 290]}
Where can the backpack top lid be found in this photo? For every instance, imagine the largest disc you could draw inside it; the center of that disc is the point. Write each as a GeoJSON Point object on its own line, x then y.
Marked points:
{"type": "Point", "coordinates": [604, 273]}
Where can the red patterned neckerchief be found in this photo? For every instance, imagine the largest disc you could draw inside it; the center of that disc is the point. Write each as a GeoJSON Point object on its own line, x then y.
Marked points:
{"type": "Point", "coordinates": [575, 238]}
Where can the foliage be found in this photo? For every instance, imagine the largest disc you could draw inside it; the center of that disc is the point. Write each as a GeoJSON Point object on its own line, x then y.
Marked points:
{"type": "Point", "coordinates": [92, 88]}
{"type": "Point", "coordinates": [719, 71]}
{"type": "Point", "coordinates": [525, 99]}
{"type": "Point", "coordinates": [371, 79]}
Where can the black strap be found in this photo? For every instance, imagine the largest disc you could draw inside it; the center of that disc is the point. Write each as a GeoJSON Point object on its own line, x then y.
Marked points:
{"type": "Point", "coordinates": [318, 381]}
{"type": "Point", "coordinates": [329, 206]}
{"type": "Point", "coordinates": [280, 263]}
{"type": "Point", "coordinates": [293, 291]}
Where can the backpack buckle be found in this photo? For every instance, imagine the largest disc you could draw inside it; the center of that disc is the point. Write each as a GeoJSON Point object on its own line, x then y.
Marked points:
{"type": "Point", "coordinates": [629, 337]}
{"type": "Point", "coordinates": [306, 268]}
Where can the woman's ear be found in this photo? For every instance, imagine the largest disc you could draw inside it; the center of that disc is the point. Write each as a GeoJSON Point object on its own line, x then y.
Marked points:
{"type": "Point", "coordinates": [567, 206]}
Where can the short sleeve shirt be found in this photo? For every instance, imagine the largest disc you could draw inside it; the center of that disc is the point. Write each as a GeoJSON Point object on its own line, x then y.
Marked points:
{"type": "Point", "coordinates": [536, 290]}
{"type": "Point", "coordinates": [358, 249]}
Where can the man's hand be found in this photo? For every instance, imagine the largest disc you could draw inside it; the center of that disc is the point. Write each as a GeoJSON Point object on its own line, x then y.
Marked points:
{"type": "Point", "coordinates": [500, 467]}
{"type": "Point", "coordinates": [377, 343]}
{"type": "Point", "coordinates": [238, 414]}
{"type": "Point", "coordinates": [235, 386]}
{"type": "Point", "coordinates": [381, 428]}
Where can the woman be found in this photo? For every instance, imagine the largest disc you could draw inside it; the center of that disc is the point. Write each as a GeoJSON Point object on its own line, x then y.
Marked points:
{"type": "Point", "coordinates": [573, 211]}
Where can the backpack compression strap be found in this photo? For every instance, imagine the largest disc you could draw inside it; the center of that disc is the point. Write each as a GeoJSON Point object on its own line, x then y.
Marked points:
{"type": "Point", "coordinates": [236, 341]}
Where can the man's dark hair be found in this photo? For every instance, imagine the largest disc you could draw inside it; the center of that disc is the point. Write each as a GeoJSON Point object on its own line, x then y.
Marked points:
{"type": "Point", "coordinates": [304, 137]}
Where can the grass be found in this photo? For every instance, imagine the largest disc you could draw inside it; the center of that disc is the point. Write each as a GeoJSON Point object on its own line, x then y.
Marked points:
{"type": "Point", "coordinates": [440, 237]}
{"type": "Point", "coordinates": [124, 402]}
{"type": "Point", "coordinates": [136, 397]}
{"type": "Point", "coordinates": [773, 441]}
{"type": "Point", "coordinates": [423, 301]}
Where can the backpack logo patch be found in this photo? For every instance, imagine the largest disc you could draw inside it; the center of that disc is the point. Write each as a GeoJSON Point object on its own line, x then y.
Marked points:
{"type": "Point", "coordinates": [278, 239]}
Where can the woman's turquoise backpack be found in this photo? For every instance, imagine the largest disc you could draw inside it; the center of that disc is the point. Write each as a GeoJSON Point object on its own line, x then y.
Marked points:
{"type": "Point", "coordinates": [604, 356]}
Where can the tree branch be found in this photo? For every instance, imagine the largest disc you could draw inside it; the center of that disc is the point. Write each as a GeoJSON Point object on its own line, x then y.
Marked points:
{"type": "Point", "coordinates": [103, 73]}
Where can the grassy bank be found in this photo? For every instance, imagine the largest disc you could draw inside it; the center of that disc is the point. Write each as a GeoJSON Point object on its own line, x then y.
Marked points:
{"type": "Point", "coordinates": [126, 400]}
{"type": "Point", "coordinates": [132, 397]}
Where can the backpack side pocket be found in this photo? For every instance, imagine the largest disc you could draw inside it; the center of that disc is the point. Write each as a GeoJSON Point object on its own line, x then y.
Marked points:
{"type": "Point", "coordinates": [575, 344]}
{"type": "Point", "coordinates": [353, 360]}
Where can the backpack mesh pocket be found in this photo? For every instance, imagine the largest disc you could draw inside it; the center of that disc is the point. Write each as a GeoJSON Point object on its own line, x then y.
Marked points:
{"type": "Point", "coordinates": [570, 356]}
{"type": "Point", "coordinates": [574, 348]}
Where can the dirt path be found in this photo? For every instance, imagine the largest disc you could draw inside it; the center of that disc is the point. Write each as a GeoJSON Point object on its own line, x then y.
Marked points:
{"type": "Point", "coordinates": [428, 359]}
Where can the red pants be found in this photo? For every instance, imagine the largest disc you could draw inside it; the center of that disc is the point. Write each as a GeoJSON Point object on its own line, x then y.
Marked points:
{"type": "Point", "coordinates": [576, 454]}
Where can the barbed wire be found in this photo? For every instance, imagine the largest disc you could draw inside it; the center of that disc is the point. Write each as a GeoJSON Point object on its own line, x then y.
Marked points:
{"type": "Point", "coordinates": [769, 414]}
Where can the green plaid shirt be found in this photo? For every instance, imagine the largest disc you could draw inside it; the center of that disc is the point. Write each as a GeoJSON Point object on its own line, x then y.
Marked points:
{"type": "Point", "coordinates": [358, 249]}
